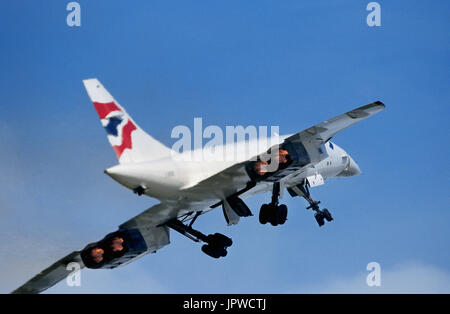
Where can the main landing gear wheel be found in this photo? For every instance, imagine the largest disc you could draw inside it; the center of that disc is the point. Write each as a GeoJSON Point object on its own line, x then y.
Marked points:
{"type": "Point", "coordinates": [264, 214]}
{"type": "Point", "coordinates": [216, 244]}
{"type": "Point", "coordinates": [219, 240]}
{"type": "Point", "coordinates": [214, 251]}
{"type": "Point", "coordinates": [282, 214]}
{"type": "Point", "coordinates": [273, 213]}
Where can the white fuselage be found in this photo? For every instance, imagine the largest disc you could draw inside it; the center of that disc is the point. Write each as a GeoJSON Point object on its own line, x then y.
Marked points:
{"type": "Point", "coordinates": [171, 178]}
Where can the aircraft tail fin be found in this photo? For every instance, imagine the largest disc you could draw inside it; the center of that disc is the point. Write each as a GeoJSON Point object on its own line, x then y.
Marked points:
{"type": "Point", "coordinates": [129, 141]}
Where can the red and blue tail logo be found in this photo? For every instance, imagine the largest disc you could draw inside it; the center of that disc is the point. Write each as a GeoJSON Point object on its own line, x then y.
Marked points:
{"type": "Point", "coordinates": [128, 140]}
{"type": "Point", "coordinates": [117, 124]}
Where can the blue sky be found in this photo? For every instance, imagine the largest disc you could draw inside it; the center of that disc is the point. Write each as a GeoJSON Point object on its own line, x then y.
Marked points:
{"type": "Point", "coordinates": [286, 63]}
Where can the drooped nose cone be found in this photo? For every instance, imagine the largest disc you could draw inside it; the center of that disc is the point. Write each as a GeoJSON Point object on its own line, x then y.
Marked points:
{"type": "Point", "coordinates": [352, 169]}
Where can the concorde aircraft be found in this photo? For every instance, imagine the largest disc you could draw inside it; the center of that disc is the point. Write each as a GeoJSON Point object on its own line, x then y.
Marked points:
{"type": "Point", "coordinates": [188, 187]}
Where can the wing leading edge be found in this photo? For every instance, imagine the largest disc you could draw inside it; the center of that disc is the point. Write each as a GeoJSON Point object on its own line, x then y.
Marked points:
{"type": "Point", "coordinates": [303, 145]}
{"type": "Point", "coordinates": [132, 240]}
{"type": "Point", "coordinates": [50, 276]}
{"type": "Point", "coordinates": [324, 131]}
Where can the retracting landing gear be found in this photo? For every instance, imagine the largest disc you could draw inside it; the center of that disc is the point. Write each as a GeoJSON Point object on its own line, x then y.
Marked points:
{"type": "Point", "coordinates": [216, 244]}
{"type": "Point", "coordinates": [320, 215]}
{"type": "Point", "coordinates": [273, 213]}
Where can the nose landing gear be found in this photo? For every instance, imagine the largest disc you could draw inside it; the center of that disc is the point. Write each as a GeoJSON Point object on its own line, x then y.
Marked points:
{"type": "Point", "coordinates": [320, 215]}
{"type": "Point", "coordinates": [273, 213]}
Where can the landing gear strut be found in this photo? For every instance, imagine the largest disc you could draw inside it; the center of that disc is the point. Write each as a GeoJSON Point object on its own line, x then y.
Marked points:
{"type": "Point", "coordinates": [320, 215]}
{"type": "Point", "coordinates": [273, 213]}
{"type": "Point", "coordinates": [216, 244]}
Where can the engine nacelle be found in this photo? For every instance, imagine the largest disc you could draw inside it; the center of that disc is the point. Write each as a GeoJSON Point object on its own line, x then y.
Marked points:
{"type": "Point", "coordinates": [115, 249]}
{"type": "Point", "coordinates": [290, 157]}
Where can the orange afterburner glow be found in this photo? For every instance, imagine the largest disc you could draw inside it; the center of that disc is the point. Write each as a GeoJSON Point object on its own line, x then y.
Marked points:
{"type": "Point", "coordinates": [117, 244]}
{"type": "Point", "coordinates": [282, 156]}
{"type": "Point", "coordinates": [97, 254]}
